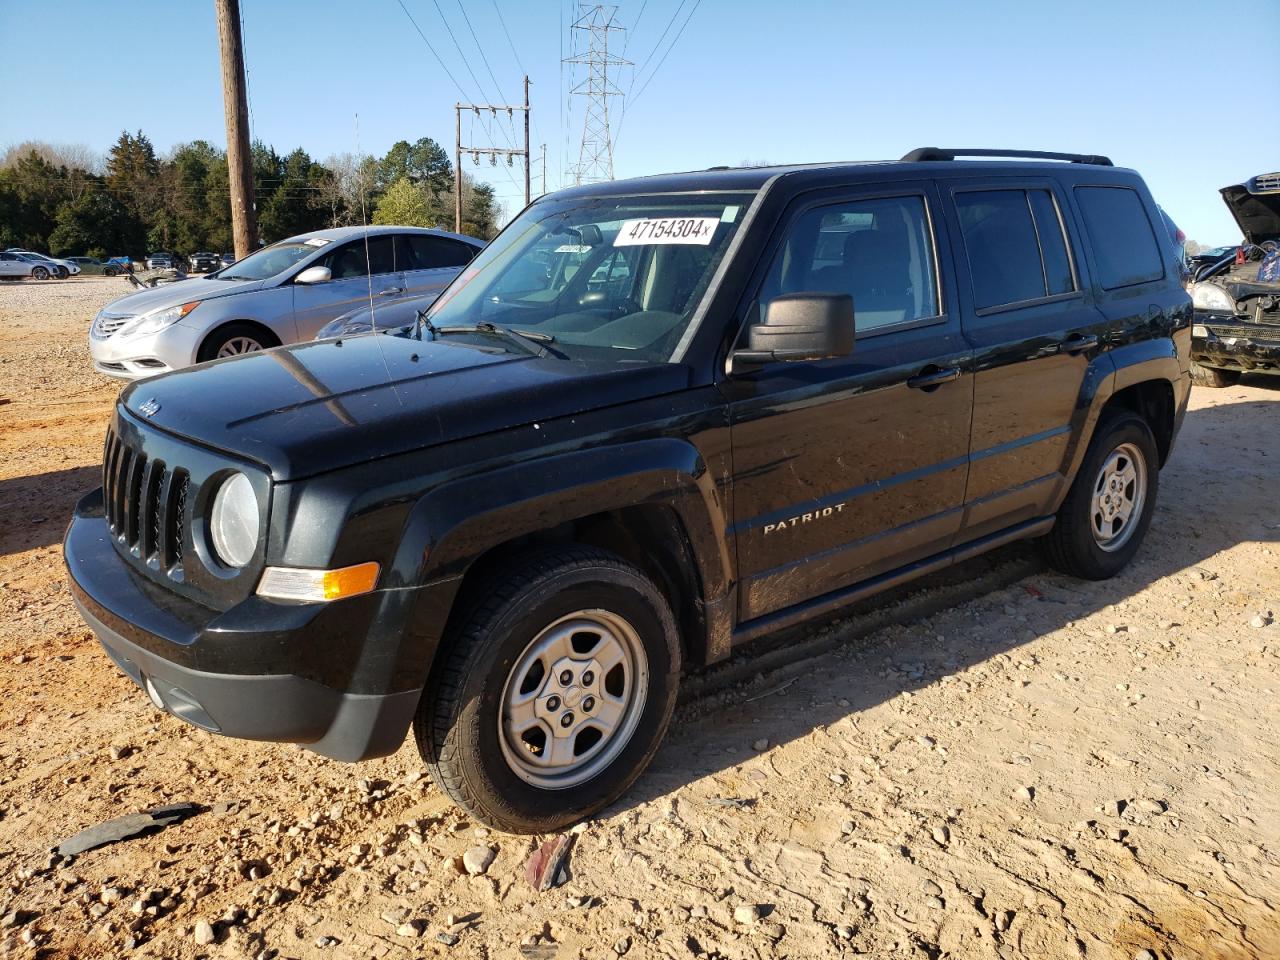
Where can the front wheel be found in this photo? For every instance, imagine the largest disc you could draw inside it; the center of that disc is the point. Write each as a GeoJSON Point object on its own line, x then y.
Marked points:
{"type": "Point", "coordinates": [233, 340]}
{"type": "Point", "coordinates": [1105, 515]}
{"type": "Point", "coordinates": [1214, 376]}
{"type": "Point", "coordinates": [40, 273]}
{"type": "Point", "coordinates": [555, 694]}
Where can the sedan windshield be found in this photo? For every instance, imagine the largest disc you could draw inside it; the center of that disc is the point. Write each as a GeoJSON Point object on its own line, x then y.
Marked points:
{"type": "Point", "coordinates": [607, 277]}
{"type": "Point", "coordinates": [270, 261]}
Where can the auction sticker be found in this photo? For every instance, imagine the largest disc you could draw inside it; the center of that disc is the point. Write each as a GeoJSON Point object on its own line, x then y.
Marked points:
{"type": "Point", "coordinates": [695, 230]}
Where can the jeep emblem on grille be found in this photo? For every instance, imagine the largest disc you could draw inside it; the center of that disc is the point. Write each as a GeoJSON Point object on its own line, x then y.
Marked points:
{"type": "Point", "coordinates": [150, 408]}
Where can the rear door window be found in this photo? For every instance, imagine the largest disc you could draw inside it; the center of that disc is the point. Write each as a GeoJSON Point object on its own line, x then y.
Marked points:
{"type": "Point", "coordinates": [1015, 245]}
{"type": "Point", "coordinates": [1124, 243]}
{"type": "Point", "coordinates": [433, 253]}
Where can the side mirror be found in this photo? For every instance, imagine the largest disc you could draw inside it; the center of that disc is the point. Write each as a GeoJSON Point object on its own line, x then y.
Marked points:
{"type": "Point", "coordinates": [801, 326]}
{"type": "Point", "coordinates": [314, 275]}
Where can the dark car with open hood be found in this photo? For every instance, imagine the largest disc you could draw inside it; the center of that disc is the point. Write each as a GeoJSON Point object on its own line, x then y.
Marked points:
{"type": "Point", "coordinates": [1237, 299]}
{"type": "Point", "coordinates": [653, 420]}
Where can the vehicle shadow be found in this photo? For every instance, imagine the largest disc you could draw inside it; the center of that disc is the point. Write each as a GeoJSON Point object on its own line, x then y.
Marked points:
{"type": "Point", "coordinates": [1200, 513]}
{"type": "Point", "coordinates": [36, 508]}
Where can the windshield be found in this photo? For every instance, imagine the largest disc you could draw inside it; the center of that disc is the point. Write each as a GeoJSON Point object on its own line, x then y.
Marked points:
{"type": "Point", "coordinates": [608, 277]}
{"type": "Point", "coordinates": [271, 261]}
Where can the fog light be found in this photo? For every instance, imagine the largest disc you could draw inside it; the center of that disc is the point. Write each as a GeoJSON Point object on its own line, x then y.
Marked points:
{"type": "Point", "coordinates": [297, 583]}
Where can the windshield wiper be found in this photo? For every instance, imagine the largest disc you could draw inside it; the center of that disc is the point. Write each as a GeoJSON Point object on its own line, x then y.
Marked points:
{"type": "Point", "coordinates": [486, 327]}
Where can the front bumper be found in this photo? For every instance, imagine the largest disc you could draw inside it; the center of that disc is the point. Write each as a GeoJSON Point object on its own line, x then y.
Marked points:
{"type": "Point", "coordinates": [129, 358]}
{"type": "Point", "coordinates": [1232, 344]}
{"type": "Point", "coordinates": [166, 644]}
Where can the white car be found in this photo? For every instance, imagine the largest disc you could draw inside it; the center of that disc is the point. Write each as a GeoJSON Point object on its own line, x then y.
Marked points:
{"type": "Point", "coordinates": [58, 268]}
{"type": "Point", "coordinates": [17, 266]}
{"type": "Point", "coordinates": [283, 293]}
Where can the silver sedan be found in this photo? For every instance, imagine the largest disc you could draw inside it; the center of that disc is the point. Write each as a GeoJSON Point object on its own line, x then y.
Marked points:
{"type": "Point", "coordinates": [283, 293]}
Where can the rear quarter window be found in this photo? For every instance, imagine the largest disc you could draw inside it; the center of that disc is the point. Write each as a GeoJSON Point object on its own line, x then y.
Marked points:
{"type": "Point", "coordinates": [1124, 243]}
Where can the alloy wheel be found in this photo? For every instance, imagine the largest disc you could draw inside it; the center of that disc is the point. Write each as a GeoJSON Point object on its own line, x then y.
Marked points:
{"type": "Point", "coordinates": [238, 345]}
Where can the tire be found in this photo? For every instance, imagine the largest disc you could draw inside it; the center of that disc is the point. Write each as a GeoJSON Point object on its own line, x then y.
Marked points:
{"type": "Point", "coordinates": [1076, 545]}
{"type": "Point", "coordinates": [63, 273]}
{"type": "Point", "coordinates": [235, 339]}
{"type": "Point", "coordinates": [1214, 376]}
{"type": "Point", "coordinates": [40, 273]}
{"type": "Point", "coordinates": [505, 652]}
{"type": "Point", "coordinates": [111, 272]}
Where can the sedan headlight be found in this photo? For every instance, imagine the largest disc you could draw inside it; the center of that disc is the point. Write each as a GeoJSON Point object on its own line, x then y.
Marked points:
{"type": "Point", "coordinates": [156, 320]}
{"type": "Point", "coordinates": [234, 520]}
{"type": "Point", "coordinates": [1212, 298]}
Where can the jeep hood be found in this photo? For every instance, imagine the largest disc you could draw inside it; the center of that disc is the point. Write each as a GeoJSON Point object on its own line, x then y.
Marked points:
{"type": "Point", "coordinates": [184, 291]}
{"type": "Point", "coordinates": [1256, 206]}
{"type": "Point", "coordinates": [320, 406]}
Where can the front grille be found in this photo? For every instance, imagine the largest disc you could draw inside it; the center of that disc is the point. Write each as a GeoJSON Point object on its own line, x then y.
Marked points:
{"type": "Point", "coordinates": [146, 505]}
{"type": "Point", "coordinates": [1244, 333]}
{"type": "Point", "coordinates": [105, 324]}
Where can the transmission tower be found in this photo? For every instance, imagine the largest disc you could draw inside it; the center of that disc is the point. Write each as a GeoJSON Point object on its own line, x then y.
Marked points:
{"type": "Point", "coordinates": [595, 155]}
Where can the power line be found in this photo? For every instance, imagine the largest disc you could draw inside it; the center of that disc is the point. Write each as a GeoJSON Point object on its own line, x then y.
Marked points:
{"type": "Point", "coordinates": [514, 52]}
{"type": "Point", "coordinates": [448, 72]}
{"type": "Point", "coordinates": [634, 27]}
{"type": "Point", "coordinates": [631, 99]}
{"type": "Point", "coordinates": [483, 59]}
{"type": "Point", "coordinates": [665, 31]}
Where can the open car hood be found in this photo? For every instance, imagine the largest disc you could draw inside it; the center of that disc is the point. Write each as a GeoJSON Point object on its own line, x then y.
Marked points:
{"type": "Point", "coordinates": [1256, 206]}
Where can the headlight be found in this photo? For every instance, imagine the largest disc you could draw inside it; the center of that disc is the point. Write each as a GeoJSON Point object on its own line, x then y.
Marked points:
{"type": "Point", "coordinates": [1211, 297]}
{"type": "Point", "coordinates": [233, 521]}
{"type": "Point", "coordinates": [156, 320]}
{"type": "Point", "coordinates": [1199, 330]}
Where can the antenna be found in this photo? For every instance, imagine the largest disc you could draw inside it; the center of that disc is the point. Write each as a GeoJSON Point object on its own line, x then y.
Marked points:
{"type": "Point", "coordinates": [595, 153]}
{"type": "Point", "coordinates": [368, 275]}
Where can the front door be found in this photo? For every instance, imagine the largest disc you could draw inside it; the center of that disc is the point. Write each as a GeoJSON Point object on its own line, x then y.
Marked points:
{"type": "Point", "coordinates": [357, 281]}
{"type": "Point", "coordinates": [1034, 329]}
{"type": "Point", "coordinates": [845, 469]}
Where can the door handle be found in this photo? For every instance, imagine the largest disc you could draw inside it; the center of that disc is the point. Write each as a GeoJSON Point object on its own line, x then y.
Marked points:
{"type": "Point", "coordinates": [390, 291]}
{"type": "Point", "coordinates": [1079, 344]}
{"type": "Point", "coordinates": [928, 379]}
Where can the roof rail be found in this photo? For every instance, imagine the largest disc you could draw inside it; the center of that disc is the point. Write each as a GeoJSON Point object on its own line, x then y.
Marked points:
{"type": "Point", "coordinates": [935, 153]}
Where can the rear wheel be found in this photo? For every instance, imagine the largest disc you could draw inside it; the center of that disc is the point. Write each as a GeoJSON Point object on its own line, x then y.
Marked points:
{"type": "Point", "coordinates": [1105, 515]}
{"type": "Point", "coordinates": [556, 693]}
{"type": "Point", "coordinates": [40, 273]}
{"type": "Point", "coordinates": [111, 271]}
{"type": "Point", "coordinates": [1214, 376]}
{"type": "Point", "coordinates": [235, 339]}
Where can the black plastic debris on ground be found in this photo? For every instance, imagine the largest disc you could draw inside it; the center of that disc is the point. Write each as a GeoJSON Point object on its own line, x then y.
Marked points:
{"type": "Point", "coordinates": [123, 828]}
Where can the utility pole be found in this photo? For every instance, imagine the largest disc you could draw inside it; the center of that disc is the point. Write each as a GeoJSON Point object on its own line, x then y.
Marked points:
{"type": "Point", "coordinates": [235, 103]}
{"type": "Point", "coordinates": [544, 170]}
{"type": "Point", "coordinates": [459, 148]}
{"type": "Point", "coordinates": [595, 154]}
{"type": "Point", "coordinates": [527, 196]}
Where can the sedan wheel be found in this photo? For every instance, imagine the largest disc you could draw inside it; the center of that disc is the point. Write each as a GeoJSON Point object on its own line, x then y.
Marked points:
{"type": "Point", "coordinates": [40, 273]}
{"type": "Point", "coordinates": [238, 345]}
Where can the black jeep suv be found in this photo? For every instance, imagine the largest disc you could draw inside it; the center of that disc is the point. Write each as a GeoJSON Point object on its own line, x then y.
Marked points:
{"type": "Point", "coordinates": [653, 420]}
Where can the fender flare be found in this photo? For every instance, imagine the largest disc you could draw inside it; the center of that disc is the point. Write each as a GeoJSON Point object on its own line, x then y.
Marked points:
{"type": "Point", "coordinates": [1107, 375]}
{"type": "Point", "coordinates": [453, 525]}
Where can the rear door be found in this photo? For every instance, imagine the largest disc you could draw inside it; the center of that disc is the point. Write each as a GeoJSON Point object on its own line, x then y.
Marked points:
{"type": "Point", "coordinates": [432, 261]}
{"type": "Point", "coordinates": [357, 281]}
{"type": "Point", "coordinates": [1033, 329]}
{"type": "Point", "coordinates": [844, 469]}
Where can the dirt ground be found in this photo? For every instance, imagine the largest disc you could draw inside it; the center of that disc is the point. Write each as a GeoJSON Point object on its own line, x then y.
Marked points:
{"type": "Point", "coordinates": [1053, 769]}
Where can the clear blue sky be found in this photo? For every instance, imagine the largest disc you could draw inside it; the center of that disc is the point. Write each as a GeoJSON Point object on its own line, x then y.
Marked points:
{"type": "Point", "coordinates": [748, 80]}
